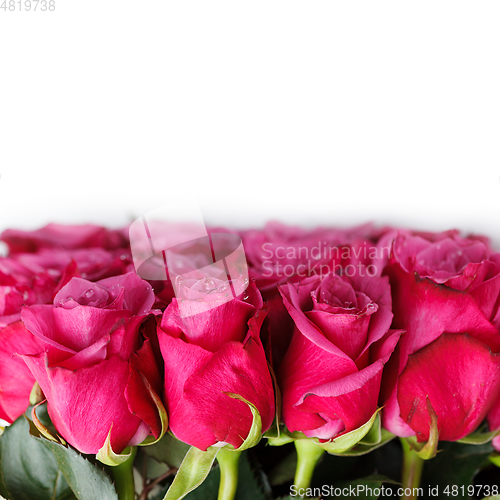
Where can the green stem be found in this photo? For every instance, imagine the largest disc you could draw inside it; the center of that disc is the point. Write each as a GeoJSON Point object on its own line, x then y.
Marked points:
{"type": "Point", "coordinates": [228, 463]}
{"type": "Point", "coordinates": [308, 454]}
{"type": "Point", "coordinates": [124, 478]}
{"type": "Point", "coordinates": [412, 471]}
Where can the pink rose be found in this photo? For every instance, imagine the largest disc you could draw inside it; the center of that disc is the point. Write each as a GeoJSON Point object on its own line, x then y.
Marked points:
{"type": "Point", "coordinates": [35, 278]}
{"type": "Point", "coordinates": [279, 254]}
{"type": "Point", "coordinates": [446, 292]}
{"type": "Point", "coordinates": [99, 358]}
{"type": "Point", "coordinates": [64, 237]}
{"type": "Point", "coordinates": [214, 351]}
{"type": "Point", "coordinates": [330, 376]}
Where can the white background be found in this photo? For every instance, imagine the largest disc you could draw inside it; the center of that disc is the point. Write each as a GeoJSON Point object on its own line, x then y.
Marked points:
{"type": "Point", "coordinates": [309, 112]}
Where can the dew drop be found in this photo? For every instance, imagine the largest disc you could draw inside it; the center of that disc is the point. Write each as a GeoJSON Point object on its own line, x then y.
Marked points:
{"type": "Point", "coordinates": [208, 284]}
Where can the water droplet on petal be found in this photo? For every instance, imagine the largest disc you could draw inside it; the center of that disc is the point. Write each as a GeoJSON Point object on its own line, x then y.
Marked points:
{"type": "Point", "coordinates": [89, 293]}
{"type": "Point", "coordinates": [208, 284]}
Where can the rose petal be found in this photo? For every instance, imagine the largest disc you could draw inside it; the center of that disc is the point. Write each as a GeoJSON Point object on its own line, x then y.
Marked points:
{"type": "Point", "coordinates": [16, 380]}
{"type": "Point", "coordinates": [84, 404]}
{"type": "Point", "coordinates": [459, 375]}
{"type": "Point", "coordinates": [70, 330]}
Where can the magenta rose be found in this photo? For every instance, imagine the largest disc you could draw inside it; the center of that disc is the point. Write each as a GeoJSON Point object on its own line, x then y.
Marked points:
{"type": "Point", "coordinates": [20, 286]}
{"type": "Point", "coordinates": [279, 254]}
{"type": "Point", "coordinates": [35, 278]}
{"type": "Point", "coordinates": [213, 351]}
{"type": "Point", "coordinates": [330, 376]}
{"type": "Point", "coordinates": [99, 362]}
{"type": "Point", "coordinates": [446, 292]}
{"type": "Point", "coordinates": [64, 237]}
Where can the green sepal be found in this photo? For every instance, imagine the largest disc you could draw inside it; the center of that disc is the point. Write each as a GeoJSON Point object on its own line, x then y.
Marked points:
{"type": "Point", "coordinates": [282, 436]}
{"type": "Point", "coordinates": [255, 433]}
{"type": "Point", "coordinates": [495, 459]}
{"type": "Point", "coordinates": [42, 430]}
{"type": "Point", "coordinates": [161, 411]}
{"type": "Point", "coordinates": [107, 456]}
{"type": "Point", "coordinates": [428, 450]}
{"type": "Point", "coordinates": [375, 438]}
{"type": "Point", "coordinates": [345, 442]}
{"type": "Point", "coordinates": [368, 437]}
{"type": "Point", "coordinates": [193, 471]}
{"type": "Point", "coordinates": [36, 394]}
{"type": "Point", "coordinates": [479, 437]}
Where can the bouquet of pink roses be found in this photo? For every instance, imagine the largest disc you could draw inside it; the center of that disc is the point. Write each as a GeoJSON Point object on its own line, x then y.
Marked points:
{"type": "Point", "coordinates": [129, 371]}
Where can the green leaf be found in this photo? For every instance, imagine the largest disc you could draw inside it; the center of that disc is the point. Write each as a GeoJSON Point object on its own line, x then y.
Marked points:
{"type": "Point", "coordinates": [255, 433]}
{"type": "Point", "coordinates": [168, 450]}
{"type": "Point", "coordinates": [456, 464]}
{"type": "Point", "coordinates": [88, 481]}
{"type": "Point", "coordinates": [349, 440]}
{"type": "Point", "coordinates": [192, 472]}
{"type": "Point", "coordinates": [364, 488]}
{"type": "Point", "coordinates": [284, 471]}
{"type": "Point", "coordinates": [107, 456]}
{"type": "Point", "coordinates": [28, 471]}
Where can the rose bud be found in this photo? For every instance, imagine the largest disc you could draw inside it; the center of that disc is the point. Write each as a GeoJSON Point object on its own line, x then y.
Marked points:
{"type": "Point", "coordinates": [213, 351]}
{"type": "Point", "coordinates": [330, 376]}
{"type": "Point", "coordinates": [445, 293]}
{"type": "Point", "coordinates": [98, 369]}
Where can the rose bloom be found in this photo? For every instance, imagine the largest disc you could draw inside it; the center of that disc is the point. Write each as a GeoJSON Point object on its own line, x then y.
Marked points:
{"type": "Point", "coordinates": [446, 292]}
{"type": "Point", "coordinates": [210, 343]}
{"type": "Point", "coordinates": [100, 356]}
{"type": "Point", "coordinates": [35, 278]}
{"type": "Point", "coordinates": [330, 376]}
{"type": "Point", "coordinates": [60, 236]}
{"type": "Point", "coordinates": [279, 254]}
